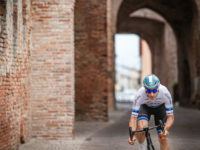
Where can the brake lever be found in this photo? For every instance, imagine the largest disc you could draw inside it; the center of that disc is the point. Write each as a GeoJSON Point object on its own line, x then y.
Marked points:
{"type": "Point", "coordinates": [162, 126]}
{"type": "Point", "coordinates": [131, 133]}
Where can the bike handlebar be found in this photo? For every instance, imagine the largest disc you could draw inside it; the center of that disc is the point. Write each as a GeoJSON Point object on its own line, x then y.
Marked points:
{"type": "Point", "coordinates": [146, 129]}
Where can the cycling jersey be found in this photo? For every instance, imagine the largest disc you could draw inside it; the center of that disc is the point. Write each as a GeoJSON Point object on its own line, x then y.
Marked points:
{"type": "Point", "coordinates": [163, 97]}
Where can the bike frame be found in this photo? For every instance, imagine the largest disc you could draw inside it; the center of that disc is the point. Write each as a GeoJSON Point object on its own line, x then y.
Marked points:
{"type": "Point", "coordinates": [150, 145]}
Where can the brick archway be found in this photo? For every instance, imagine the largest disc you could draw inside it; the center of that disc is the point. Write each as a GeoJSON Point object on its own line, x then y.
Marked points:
{"type": "Point", "coordinates": [159, 35]}
{"type": "Point", "coordinates": [182, 17]}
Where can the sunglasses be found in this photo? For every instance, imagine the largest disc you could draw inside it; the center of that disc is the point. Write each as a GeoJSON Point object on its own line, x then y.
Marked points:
{"type": "Point", "coordinates": [151, 90]}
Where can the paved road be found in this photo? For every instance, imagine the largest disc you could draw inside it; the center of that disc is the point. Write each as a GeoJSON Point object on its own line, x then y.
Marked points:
{"type": "Point", "coordinates": [185, 134]}
{"type": "Point", "coordinates": [113, 135]}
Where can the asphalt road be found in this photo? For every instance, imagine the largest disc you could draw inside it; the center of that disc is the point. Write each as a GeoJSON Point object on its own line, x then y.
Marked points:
{"type": "Point", "coordinates": [185, 134]}
{"type": "Point", "coordinates": [113, 135]}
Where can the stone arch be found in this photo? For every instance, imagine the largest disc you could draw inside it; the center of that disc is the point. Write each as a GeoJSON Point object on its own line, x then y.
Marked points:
{"type": "Point", "coordinates": [175, 12]}
{"type": "Point", "coordinates": [182, 18]}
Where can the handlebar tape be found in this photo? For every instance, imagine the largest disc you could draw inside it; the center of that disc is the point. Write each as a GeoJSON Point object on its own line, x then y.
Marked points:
{"type": "Point", "coordinates": [131, 133]}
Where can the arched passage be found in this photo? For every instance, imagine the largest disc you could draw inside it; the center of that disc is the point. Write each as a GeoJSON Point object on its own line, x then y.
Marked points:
{"type": "Point", "coordinates": [154, 35]}
{"type": "Point", "coordinates": [158, 33]}
{"type": "Point", "coordinates": [132, 63]}
{"type": "Point", "coordinates": [182, 18]}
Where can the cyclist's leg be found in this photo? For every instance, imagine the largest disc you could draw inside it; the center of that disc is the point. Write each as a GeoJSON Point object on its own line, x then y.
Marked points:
{"type": "Point", "coordinates": [160, 114]}
{"type": "Point", "coordinates": [164, 145]}
{"type": "Point", "coordinates": [142, 121]}
{"type": "Point", "coordinates": [141, 135]}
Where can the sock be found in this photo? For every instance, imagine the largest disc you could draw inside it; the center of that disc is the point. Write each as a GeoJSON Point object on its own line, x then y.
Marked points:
{"type": "Point", "coordinates": [142, 146]}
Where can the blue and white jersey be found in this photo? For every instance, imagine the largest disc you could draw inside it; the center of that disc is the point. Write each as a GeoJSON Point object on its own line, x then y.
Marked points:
{"type": "Point", "coordinates": [163, 97]}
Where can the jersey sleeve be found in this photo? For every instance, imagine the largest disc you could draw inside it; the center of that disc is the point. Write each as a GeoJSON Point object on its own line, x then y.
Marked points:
{"type": "Point", "coordinates": [136, 105]}
{"type": "Point", "coordinates": [168, 103]}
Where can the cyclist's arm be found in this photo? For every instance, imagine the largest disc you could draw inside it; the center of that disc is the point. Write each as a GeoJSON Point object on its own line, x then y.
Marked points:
{"type": "Point", "coordinates": [169, 110]}
{"type": "Point", "coordinates": [133, 122]}
{"type": "Point", "coordinates": [135, 111]}
{"type": "Point", "coordinates": [132, 125]}
{"type": "Point", "coordinates": [169, 122]}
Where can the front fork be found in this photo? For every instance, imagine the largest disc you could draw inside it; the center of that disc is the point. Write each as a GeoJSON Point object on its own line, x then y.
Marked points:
{"type": "Point", "coordinates": [149, 141]}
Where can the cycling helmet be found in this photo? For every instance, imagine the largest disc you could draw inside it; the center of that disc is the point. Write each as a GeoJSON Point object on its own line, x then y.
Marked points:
{"type": "Point", "coordinates": [151, 81]}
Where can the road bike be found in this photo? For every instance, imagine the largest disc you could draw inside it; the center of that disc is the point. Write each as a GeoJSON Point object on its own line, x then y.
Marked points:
{"type": "Point", "coordinates": [150, 145]}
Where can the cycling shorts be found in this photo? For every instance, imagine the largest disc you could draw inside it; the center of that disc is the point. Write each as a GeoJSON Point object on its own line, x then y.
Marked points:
{"type": "Point", "coordinates": [159, 113]}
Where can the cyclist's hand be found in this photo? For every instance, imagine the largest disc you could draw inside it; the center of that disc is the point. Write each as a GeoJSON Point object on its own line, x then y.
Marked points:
{"type": "Point", "coordinates": [133, 141]}
{"type": "Point", "coordinates": [166, 134]}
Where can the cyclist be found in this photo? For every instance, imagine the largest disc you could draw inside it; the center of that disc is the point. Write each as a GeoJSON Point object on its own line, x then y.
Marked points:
{"type": "Point", "coordinates": [152, 99]}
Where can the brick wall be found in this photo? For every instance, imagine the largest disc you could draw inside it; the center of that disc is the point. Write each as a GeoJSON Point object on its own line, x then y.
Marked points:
{"type": "Point", "coordinates": [4, 80]}
{"type": "Point", "coordinates": [91, 87]}
{"type": "Point", "coordinates": [52, 69]}
{"type": "Point", "coordinates": [14, 75]}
